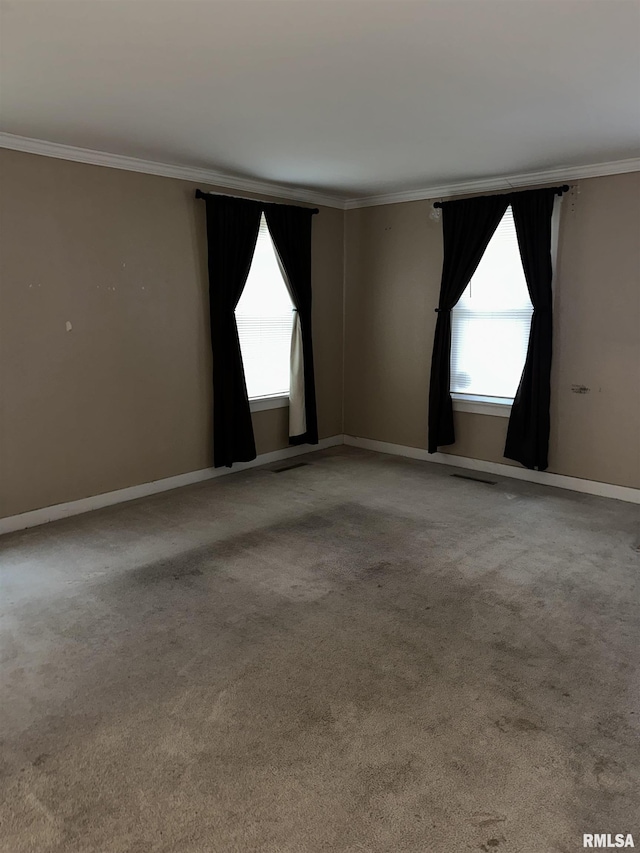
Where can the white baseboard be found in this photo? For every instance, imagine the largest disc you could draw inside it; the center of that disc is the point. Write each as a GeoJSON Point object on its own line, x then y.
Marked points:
{"type": "Point", "coordinates": [53, 513]}
{"type": "Point", "coordinates": [559, 481]}
{"type": "Point", "coordinates": [575, 484]}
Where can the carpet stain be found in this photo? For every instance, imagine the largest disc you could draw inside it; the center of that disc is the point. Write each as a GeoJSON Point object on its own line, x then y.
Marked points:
{"type": "Point", "coordinates": [520, 724]}
{"type": "Point", "coordinates": [492, 843]}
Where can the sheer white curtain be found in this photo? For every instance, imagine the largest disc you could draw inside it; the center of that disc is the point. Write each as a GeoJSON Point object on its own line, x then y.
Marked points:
{"type": "Point", "coordinates": [297, 408]}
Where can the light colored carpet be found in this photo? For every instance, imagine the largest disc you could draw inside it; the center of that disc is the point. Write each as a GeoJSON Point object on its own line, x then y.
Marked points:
{"type": "Point", "coordinates": [360, 654]}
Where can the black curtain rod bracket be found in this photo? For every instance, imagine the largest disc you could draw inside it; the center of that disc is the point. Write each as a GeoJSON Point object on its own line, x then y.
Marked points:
{"type": "Point", "coordinates": [558, 191]}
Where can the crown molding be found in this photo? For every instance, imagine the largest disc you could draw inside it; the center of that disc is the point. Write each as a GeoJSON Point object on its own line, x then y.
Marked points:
{"type": "Point", "coordinates": [505, 182]}
{"type": "Point", "coordinates": [166, 170]}
{"type": "Point", "coordinates": [310, 196]}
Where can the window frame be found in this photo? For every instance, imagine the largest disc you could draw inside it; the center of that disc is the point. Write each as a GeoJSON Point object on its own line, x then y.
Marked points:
{"type": "Point", "coordinates": [478, 405]}
{"type": "Point", "coordinates": [501, 406]}
{"type": "Point", "coordinates": [274, 401]}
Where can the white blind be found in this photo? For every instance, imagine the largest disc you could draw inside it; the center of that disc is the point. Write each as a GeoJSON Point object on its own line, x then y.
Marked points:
{"type": "Point", "coordinates": [492, 320]}
{"type": "Point", "coordinates": [264, 316]}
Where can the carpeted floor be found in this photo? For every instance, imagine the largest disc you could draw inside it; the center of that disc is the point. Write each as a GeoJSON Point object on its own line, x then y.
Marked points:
{"type": "Point", "coordinates": [360, 654]}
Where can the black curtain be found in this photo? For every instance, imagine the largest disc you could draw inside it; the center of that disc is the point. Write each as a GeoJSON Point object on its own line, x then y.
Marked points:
{"type": "Point", "coordinates": [290, 229]}
{"type": "Point", "coordinates": [467, 227]}
{"type": "Point", "coordinates": [232, 231]}
{"type": "Point", "coordinates": [528, 431]}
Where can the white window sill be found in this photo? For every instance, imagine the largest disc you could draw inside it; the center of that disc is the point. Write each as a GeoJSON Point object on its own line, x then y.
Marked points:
{"type": "Point", "coordinates": [497, 406]}
{"type": "Point", "coordinates": [261, 404]}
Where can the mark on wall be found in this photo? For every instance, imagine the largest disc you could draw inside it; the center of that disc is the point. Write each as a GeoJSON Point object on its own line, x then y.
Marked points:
{"type": "Point", "coordinates": [573, 194]}
{"type": "Point", "coordinates": [68, 326]}
{"type": "Point", "coordinates": [580, 389]}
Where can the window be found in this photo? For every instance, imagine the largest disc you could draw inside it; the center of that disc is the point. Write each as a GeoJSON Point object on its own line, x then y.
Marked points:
{"type": "Point", "coordinates": [264, 316]}
{"type": "Point", "coordinates": [490, 325]}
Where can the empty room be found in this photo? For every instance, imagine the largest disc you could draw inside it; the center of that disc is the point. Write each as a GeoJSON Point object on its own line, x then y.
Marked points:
{"type": "Point", "coordinates": [319, 426]}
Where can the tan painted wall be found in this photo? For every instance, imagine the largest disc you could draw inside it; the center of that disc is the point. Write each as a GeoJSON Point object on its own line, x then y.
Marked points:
{"type": "Point", "coordinates": [393, 264]}
{"type": "Point", "coordinates": [125, 396]}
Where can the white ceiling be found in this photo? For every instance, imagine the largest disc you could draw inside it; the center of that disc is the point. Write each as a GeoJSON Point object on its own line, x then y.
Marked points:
{"type": "Point", "coordinates": [350, 97]}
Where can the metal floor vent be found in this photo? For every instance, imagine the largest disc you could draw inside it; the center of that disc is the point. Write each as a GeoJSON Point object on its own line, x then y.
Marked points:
{"type": "Point", "coordinates": [475, 479]}
{"type": "Point", "coordinates": [289, 467]}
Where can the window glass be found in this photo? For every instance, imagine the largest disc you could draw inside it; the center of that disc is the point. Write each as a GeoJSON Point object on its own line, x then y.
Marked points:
{"type": "Point", "coordinates": [491, 322]}
{"type": "Point", "coordinates": [264, 316]}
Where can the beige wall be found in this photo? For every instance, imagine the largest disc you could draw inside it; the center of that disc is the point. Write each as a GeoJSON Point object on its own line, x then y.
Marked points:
{"type": "Point", "coordinates": [393, 264]}
{"type": "Point", "coordinates": [125, 396]}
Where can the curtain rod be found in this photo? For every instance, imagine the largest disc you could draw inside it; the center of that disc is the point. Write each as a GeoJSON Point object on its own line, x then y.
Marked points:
{"type": "Point", "coordinates": [203, 195]}
{"type": "Point", "coordinates": [558, 191]}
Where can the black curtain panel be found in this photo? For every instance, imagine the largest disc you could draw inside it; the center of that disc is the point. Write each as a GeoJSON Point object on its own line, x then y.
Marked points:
{"type": "Point", "coordinates": [290, 229]}
{"type": "Point", "coordinates": [467, 227]}
{"type": "Point", "coordinates": [528, 431]}
{"type": "Point", "coordinates": [232, 231]}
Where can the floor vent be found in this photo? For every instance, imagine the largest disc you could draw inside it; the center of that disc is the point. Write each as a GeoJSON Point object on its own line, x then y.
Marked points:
{"type": "Point", "coordinates": [475, 479]}
{"type": "Point", "coordinates": [289, 467]}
